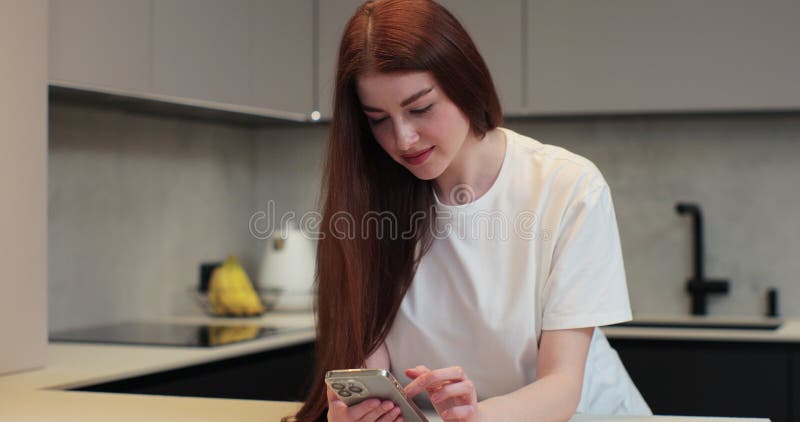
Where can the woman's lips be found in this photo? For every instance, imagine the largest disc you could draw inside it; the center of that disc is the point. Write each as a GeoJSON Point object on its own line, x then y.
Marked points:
{"type": "Point", "coordinates": [418, 158]}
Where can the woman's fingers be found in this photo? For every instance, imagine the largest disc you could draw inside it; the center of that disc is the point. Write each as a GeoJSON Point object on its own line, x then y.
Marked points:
{"type": "Point", "coordinates": [373, 412]}
{"type": "Point", "coordinates": [390, 416]}
{"type": "Point", "coordinates": [464, 389]}
{"type": "Point", "coordinates": [331, 395]}
{"type": "Point", "coordinates": [416, 371]}
{"type": "Point", "coordinates": [458, 412]}
{"type": "Point", "coordinates": [451, 392]}
{"type": "Point", "coordinates": [434, 379]}
{"type": "Point", "coordinates": [337, 409]}
{"type": "Point", "coordinates": [356, 411]}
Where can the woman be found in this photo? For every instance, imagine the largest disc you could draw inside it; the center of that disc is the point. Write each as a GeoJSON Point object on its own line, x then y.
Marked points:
{"type": "Point", "coordinates": [415, 271]}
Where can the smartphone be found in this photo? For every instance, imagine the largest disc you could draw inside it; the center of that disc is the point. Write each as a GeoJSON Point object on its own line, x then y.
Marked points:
{"type": "Point", "coordinates": [353, 386]}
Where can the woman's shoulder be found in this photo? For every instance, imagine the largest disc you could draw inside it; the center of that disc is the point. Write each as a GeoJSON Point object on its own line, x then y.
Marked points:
{"type": "Point", "coordinates": [553, 165]}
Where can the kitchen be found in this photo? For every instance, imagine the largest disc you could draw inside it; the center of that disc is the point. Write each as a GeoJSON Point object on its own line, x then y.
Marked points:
{"type": "Point", "coordinates": [167, 175]}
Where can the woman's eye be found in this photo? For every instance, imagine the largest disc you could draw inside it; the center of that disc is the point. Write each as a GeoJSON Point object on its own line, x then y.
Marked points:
{"type": "Point", "coordinates": [422, 110]}
{"type": "Point", "coordinates": [376, 121]}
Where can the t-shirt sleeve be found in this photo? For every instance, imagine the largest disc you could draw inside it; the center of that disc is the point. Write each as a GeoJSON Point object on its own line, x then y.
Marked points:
{"type": "Point", "coordinates": [586, 284]}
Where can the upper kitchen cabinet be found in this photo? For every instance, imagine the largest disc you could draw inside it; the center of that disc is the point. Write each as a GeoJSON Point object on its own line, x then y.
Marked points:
{"type": "Point", "coordinates": [201, 49]}
{"type": "Point", "coordinates": [333, 16]}
{"type": "Point", "coordinates": [101, 43]}
{"type": "Point", "coordinates": [250, 56]}
{"type": "Point", "coordinates": [496, 29]}
{"type": "Point", "coordinates": [282, 55]}
{"type": "Point", "coordinates": [612, 56]}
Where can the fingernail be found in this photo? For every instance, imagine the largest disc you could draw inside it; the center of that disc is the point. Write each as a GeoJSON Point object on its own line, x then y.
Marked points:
{"type": "Point", "coordinates": [387, 405]}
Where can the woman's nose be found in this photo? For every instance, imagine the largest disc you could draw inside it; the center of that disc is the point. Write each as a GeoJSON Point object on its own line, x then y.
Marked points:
{"type": "Point", "coordinates": [405, 135]}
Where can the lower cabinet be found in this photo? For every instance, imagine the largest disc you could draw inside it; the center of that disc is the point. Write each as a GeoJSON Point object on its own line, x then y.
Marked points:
{"type": "Point", "coordinates": [282, 374]}
{"type": "Point", "coordinates": [715, 378]}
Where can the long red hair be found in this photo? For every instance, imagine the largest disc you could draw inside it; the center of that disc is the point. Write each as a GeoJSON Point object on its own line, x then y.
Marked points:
{"type": "Point", "coordinates": [361, 277]}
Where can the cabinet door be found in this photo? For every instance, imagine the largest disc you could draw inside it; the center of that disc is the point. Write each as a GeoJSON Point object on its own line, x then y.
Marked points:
{"type": "Point", "coordinates": [650, 55]}
{"type": "Point", "coordinates": [333, 16]}
{"type": "Point", "coordinates": [282, 55]}
{"type": "Point", "coordinates": [104, 43]}
{"type": "Point", "coordinates": [24, 184]}
{"type": "Point", "coordinates": [711, 379]}
{"type": "Point", "coordinates": [202, 49]}
{"type": "Point", "coordinates": [496, 28]}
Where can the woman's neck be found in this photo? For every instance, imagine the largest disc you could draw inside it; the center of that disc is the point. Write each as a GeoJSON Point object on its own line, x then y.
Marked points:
{"type": "Point", "coordinates": [474, 170]}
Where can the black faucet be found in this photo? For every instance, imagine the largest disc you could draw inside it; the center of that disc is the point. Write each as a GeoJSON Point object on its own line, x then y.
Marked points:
{"type": "Point", "coordinates": [698, 286]}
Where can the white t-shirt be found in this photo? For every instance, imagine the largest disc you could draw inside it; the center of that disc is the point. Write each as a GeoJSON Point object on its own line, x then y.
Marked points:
{"type": "Point", "coordinates": [538, 251]}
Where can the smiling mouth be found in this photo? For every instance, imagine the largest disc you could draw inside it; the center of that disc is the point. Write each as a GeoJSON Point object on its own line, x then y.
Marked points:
{"type": "Point", "coordinates": [417, 154]}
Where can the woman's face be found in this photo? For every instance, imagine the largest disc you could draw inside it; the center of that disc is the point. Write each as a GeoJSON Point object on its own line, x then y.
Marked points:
{"type": "Point", "coordinates": [413, 120]}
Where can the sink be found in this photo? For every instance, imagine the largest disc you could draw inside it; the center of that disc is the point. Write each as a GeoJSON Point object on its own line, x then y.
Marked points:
{"type": "Point", "coordinates": [716, 325]}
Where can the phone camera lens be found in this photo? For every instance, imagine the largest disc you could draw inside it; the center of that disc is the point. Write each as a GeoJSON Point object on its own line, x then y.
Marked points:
{"type": "Point", "coordinates": [355, 389]}
{"type": "Point", "coordinates": [337, 386]}
{"type": "Point", "coordinates": [345, 393]}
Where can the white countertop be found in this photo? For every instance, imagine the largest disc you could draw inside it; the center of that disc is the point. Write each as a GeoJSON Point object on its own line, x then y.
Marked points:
{"type": "Point", "coordinates": [39, 395]}
{"type": "Point", "coordinates": [72, 365]}
{"type": "Point", "coordinates": [788, 332]}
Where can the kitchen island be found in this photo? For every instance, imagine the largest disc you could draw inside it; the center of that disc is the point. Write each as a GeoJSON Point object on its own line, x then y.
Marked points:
{"type": "Point", "coordinates": [44, 394]}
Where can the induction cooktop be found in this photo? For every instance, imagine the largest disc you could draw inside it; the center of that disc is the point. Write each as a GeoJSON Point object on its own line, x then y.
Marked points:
{"type": "Point", "coordinates": [168, 334]}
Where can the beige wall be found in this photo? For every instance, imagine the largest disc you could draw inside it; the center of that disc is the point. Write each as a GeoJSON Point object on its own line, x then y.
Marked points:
{"type": "Point", "coordinates": [23, 183]}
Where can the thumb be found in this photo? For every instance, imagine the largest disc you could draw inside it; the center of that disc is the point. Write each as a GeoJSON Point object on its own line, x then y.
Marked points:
{"type": "Point", "coordinates": [335, 404]}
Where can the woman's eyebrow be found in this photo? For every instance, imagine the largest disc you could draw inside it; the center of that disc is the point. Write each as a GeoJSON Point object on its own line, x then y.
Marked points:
{"type": "Point", "coordinates": [405, 102]}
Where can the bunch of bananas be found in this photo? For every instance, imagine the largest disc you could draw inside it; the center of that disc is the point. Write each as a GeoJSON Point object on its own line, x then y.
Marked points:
{"type": "Point", "coordinates": [231, 293]}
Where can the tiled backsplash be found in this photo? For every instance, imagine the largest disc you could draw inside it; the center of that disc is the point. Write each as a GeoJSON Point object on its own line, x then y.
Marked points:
{"type": "Point", "coordinates": [136, 202]}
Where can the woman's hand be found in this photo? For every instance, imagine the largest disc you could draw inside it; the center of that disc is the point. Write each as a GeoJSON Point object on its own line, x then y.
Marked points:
{"type": "Point", "coordinates": [371, 410]}
{"type": "Point", "coordinates": [450, 391]}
